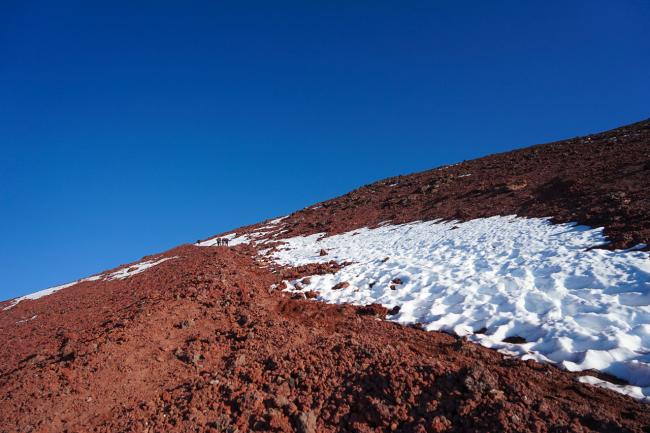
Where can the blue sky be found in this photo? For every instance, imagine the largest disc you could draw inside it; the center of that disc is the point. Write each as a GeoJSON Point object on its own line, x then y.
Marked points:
{"type": "Point", "coordinates": [127, 128]}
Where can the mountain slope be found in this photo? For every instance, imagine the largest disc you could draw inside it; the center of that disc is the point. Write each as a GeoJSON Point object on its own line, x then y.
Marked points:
{"type": "Point", "coordinates": [206, 340]}
{"type": "Point", "coordinates": [597, 180]}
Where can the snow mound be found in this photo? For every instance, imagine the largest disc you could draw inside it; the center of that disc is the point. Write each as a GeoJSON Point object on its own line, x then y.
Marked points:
{"type": "Point", "coordinates": [499, 277]}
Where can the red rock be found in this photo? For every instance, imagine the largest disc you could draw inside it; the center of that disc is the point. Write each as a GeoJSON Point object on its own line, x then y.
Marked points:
{"type": "Point", "coordinates": [372, 310]}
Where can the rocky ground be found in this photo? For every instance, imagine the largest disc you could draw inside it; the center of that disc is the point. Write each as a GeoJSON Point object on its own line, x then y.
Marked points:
{"type": "Point", "coordinates": [201, 343]}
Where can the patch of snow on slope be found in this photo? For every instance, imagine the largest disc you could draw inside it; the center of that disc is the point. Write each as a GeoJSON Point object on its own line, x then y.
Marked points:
{"type": "Point", "coordinates": [632, 391]}
{"type": "Point", "coordinates": [119, 275]}
{"type": "Point", "coordinates": [276, 221]}
{"type": "Point", "coordinates": [27, 320]}
{"type": "Point", "coordinates": [503, 277]}
{"type": "Point", "coordinates": [135, 269]}
{"type": "Point", "coordinates": [38, 294]}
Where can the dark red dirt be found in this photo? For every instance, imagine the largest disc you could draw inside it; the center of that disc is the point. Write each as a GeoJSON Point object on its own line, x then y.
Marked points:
{"type": "Point", "coordinates": [201, 343]}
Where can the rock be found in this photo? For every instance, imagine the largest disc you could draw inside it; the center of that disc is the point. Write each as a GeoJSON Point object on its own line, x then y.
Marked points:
{"type": "Point", "coordinates": [311, 294]}
{"type": "Point", "coordinates": [277, 421]}
{"type": "Point", "coordinates": [394, 310]}
{"type": "Point", "coordinates": [497, 394]}
{"type": "Point", "coordinates": [184, 324]}
{"type": "Point", "coordinates": [440, 424]}
{"type": "Point", "coordinates": [515, 339]}
{"type": "Point", "coordinates": [428, 187]}
{"type": "Point", "coordinates": [31, 359]}
{"type": "Point", "coordinates": [306, 422]}
{"type": "Point", "coordinates": [68, 350]}
{"type": "Point", "coordinates": [480, 380]}
{"type": "Point", "coordinates": [341, 285]}
{"type": "Point", "coordinates": [396, 281]}
{"type": "Point", "coordinates": [240, 360]}
{"type": "Point", "coordinates": [372, 310]}
{"type": "Point", "coordinates": [516, 185]}
{"type": "Point", "coordinates": [322, 253]}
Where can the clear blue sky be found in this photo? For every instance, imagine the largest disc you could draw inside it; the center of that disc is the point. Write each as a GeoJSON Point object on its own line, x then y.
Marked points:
{"type": "Point", "coordinates": [127, 128]}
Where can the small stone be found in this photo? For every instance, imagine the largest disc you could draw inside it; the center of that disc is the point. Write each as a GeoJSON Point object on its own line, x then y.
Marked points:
{"type": "Point", "coordinates": [306, 422]}
{"type": "Point", "coordinates": [515, 339]}
{"type": "Point", "coordinates": [372, 310]}
{"type": "Point", "coordinates": [241, 360]}
{"type": "Point", "coordinates": [440, 424]}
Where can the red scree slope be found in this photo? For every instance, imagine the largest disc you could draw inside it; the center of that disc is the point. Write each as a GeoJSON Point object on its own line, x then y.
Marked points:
{"type": "Point", "coordinates": [199, 342]}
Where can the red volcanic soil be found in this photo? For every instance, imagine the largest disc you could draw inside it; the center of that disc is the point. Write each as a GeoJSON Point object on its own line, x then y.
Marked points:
{"type": "Point", "coordinates": [201, 343]}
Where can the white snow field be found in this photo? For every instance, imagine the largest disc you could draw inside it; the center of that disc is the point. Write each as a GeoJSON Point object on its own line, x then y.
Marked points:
{"type": "Point", "coordinates": [503, 276]}
{"type": "Point", "coordinates": [120, 274]}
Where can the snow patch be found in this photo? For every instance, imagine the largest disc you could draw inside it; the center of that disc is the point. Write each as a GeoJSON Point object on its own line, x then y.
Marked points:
{"type": "Point", "coordinates": [39, 294]}
{"type": "Point", "coordinates": [136, 269]}
{"type": "Point", "coordinates": [27, 320]}
{"type": "Point", "coordinates": [118, 275]}
{"type": "Point", "coordinates": [276, 221]}
{"type": "Point", "coordinates": [632, 391]}
{"type": "Point", "coordinates": [499, 277]}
